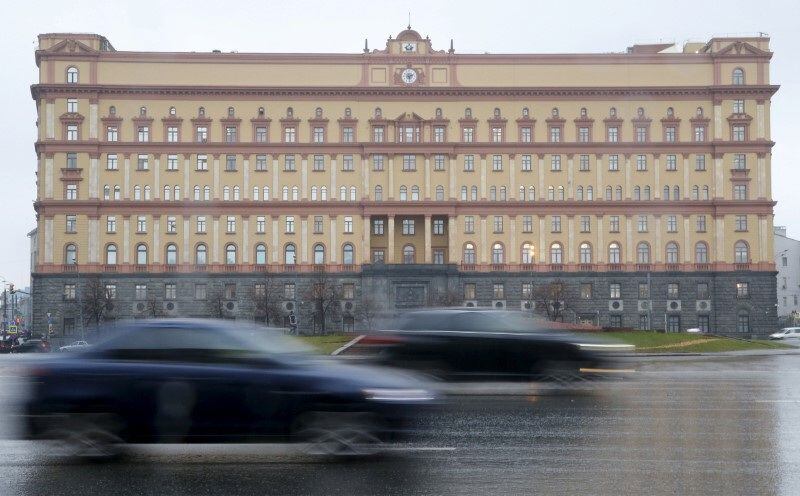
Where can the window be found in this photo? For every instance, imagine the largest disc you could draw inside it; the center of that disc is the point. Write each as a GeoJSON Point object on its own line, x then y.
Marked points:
{"type": "Point", "coordinates": [641, 162]}
{"type": "Point", "coordinates": [469, 253]}
{"type": "Point", "coordinates": [72, 75]}
{"type": "Point", "coordinates": [72, 105]}
{"type": "Point", "coordinates": [172, 254]}
{"type": "Point", "coordinates": [440, 193]}
{"type": "Point", "coordinates": [615, 321]}
{"type": "Point", "coordinates": [467, 134]}
{"type": "Point", "coordinates": [742, 290]}
{"type": "Point", "coordinates": [141, 292]}
{"type": "Point", "coordinates": [615, 290]}
{"type": "Point", "coordinates": [111, 254]}
{"type": "Point", "coordinates": [613, 134]}
{"type": "Point", "coordinates": [201, 254]}
{"type": "Point", "coordinates": [289, 224]}
{"type": "Point", "coordinates": [585, 253]}
{"type": "Point", "coordinates": [202, 162]}
{"type": "Point", "coordinates": [643, 253]}
{"type": "Point", "coordinates": [525, 134]}
{"type": "Point", "coordinates": [348, 225]}
{"type": "Point", "coordinates": [642, 224]}
{"type": "Point", "coordinates": [438, 134]}
{"type": "Point", "coordinates": [740, 192]}
{"type": "Point", "coordinates": [740, 161]}
{"type": "Point", "coordinates": [641, 134]}
{"type": "Point", "coordinates": [613, 162]}
{"type": "Point", "coordinates": [261, 134]}
{"type": "Point", "coordinates": [289, 291]}
{"type": "Point", "coordinates": [586, 224]}
{"type": "Point", "coordinates": [71, 223]}
{"type": "Point", "coordinates": [143, 134]}
{"type": "Point", "coordinates": [738, 106]}
{"type": "Point", "coordinates": [438, 226]}
{"type": "Point", "coordinates": [555, 163]}
{"type": "Point", "coordinates": [172, 224]}
{"type": "Point", "coordinates": [737, 77]}
{"type": "Point", "coordinates": [583, 134]}
{"type": "Point", "coordinates": [289, 134]}
{"type": "Point", "coordinates": [377, 162]}
{"type": "Point", "coordinates": [111, 161]}
{"type": "Point", "coordinates": [347, 163]}
{"type": "Point", "coordinates": [699, 133]}
{"type": "Point", "coordinates": [741, 252]}
{"type": "Point", "coordinates": [111, 291]}
{"type": "Point", "coordinates": [408, 254]}
{"type": "Point", "coordinates": [319, 254]}
{"type": "Point", "coordinates": [528, 253]}
{"type": "Point", "coordinates": [348, 136]}
{"type": "Point", "coordinates": [469, 163]}
{"type": "Point", "coordinates": [556, 253]}
{"type": "Point", "coordinates": [469, 291]}
{"type": "Point", "coordinates": [378, 227]}
{"type": "Point", "coordinates": [72, 192]}
{"type": "Point", "coordinates": [415, 193]}
{"type": "Point", "coordinates": [700, 162]}
{"type": "Point", "coordinates": [348, 254]}
{"type": "Point", "coordinates": [672, 223]}
{"type": "Point", "coordinates": [497, 135]}
{"type": "Point", "coordinates": [673, 323]}
{"type": "Point", "coordinates": [319, 163]}
{"type": "Point", "coordinates": [672, 163]}
{"type": "Point", "coordinates": [202, 134]}
{"type": "Point", "coordinates": [527, 223]}
{"type": "Point", "coordinates": [403, 193]}
{"type": "Point", "coordinates": [583, 163]}
{"type": "Point", "coordinates": [614, 253]}
{"type": "Point", "coordinates": [497, 253]}
{"type": "Point", "coordinates": [613, 224]}
{"type": "Point", "coordinates": [230, 224]}
{"type": "Point", "coordinates": [701, 223]}
{"type": "Point", "coordinates": [230, 134]}
{"type": "Point", "coordinates": [673, 255]}
{"type": "Point", "coordinates": [72, 132]}
{"type": "Point", "coordinates": [201, 224]}
{"type": "Point", "coordinates": [669, 134]}
{"type": "Point", "coordinates": [378, 193]}
{"type": "Point", "coordinates": [737, 133]}
{"type": "Point", "coordinates": [378, 134]}
{"type": "Point", "coordinates": [69, 292]}
{"type": "Point", "coordinates": [469, 224]}
{"type": "Point", "coordinates": [701, 253]}
{"type": "Point", "coordinates": [555, 223]}
{"type": "Point", "coordinates": [741, 223]}
{"type": "Point", "coordinates": [409, 162]}
{"type": "Point", "coordinates": [498, 291]}
{"type": "Point", "coordinates": [172, 134]}
{"type": "Point", "coordinates": [644, 291]}
{"type": "Point", "coordinates": [230, 254]}
{"type": "Point", "coordinates": [408, 227]}
{"type": "Point", "coordinates": [743, 323]}
{"type": "Point", "coordinates": [498, 224]}
{"type": "Point", "coordinates": [378, 256]}
{"type": "Point", "coordinates": [555, 134]}
{"type": "Point", "coordinates": [289, 163]}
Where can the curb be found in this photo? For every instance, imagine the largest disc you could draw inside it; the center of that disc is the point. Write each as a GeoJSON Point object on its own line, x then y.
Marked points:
{"type": "Point", "coordinates": [347, 345]}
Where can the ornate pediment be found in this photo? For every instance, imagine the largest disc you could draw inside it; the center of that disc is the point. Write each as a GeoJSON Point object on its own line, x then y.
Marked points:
{"type": "Point", "coordinates": [742, 48]}
{"type": "Point", "coordinates": [70, 46]}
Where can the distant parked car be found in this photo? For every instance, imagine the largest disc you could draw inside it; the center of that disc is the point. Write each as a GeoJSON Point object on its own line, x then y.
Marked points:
{"type": "Point", "coordinates": [694, 330]}
{"type": "Point", "coordinates": [32, 346]}
{"type": "Point", "coordinates": [75, 346]}
{"type": "Point", "coordinates": [787, 333]}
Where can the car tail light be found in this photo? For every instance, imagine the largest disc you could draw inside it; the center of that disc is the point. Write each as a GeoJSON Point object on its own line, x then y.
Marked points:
{"type": "Point", "coordinates": [380, 340]}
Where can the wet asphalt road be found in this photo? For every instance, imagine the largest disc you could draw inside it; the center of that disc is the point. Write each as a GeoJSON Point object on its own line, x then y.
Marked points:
{"type": "Point", "coordinates": [724, 426]}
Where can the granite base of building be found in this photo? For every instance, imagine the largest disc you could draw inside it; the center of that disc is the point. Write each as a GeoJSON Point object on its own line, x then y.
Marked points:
{"type": "Point", "coordinates": [738, 304]}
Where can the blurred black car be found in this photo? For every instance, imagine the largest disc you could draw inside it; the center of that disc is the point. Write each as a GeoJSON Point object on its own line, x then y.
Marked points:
{"type": "Point", "coordinates": [32, 346]}
{"type": "Point", "coordinates": [473, 345]}
{"type": "Point", "coordinates": [211, 381]}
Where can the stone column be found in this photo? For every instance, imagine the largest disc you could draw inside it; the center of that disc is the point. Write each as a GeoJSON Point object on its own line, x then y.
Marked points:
{"type": "Point", "coordinates": [366, 249]}
{"type": "Point", "coordinates": [629, 255]}
{"type": "Point", "coordinates": [156, 239]}
{"type": "Point", "coordinates": [719, 239]}
{"type": "Point", "coordinates": [657, 250]}
{"type": "Point", "coordinates": [427, 177]}
{"type": "Point", "coordinates": [542, 246]}
{"type": "Point", "coordinates": [483, 177]}
{"type": "Point", "coordinates": [334, 248]}
{"type": "Point", "coordinates": [276, 194]}
{"type": "Point", "coordinates": [571, 238]}
{"type": "Point", "coordinates": [452, 173]}
{"type": "Point", "coordinates": [542, 193]}
{"type": "Point", "coordinates": [484, 241]}
{"type": "Point", "coordinates": [688, 250]}
{"type": "Point", "coordinates": [512, 178]}
{"type": "Point", "coordinates": [245, 244]}
{"type": "Point", "coordinates": [391, 180]}
{"type": "Point", "coordinates": [215, 167]}
{"type": "Point", "coordinates": [304, 239]}
{"type": "Point", "coordinates": [513, 249]}
{"type": "Point", "coordinates": [304, 177]}
{"type": "Point", "coordinates": [390, 243]}
{"type": "Point", "coordinates": [48, 176]}
{"type": "Point", "coordinates": [599, 173]}
{"type": "Point", "coordinates": [276, 250]}
{"type": "Point", "coordinates": [627, 177]}
{"type": "Point", "coordinates": [453, 255]}
{"type": "Point", "coordinates": [186, 255]}
{"type": "Point", "coordinates": [93, 114]}
{"type": "Point", "coordinates": [719, 192]}
{"type": "Point", "coordinates": [187, 192]}
{"type": "Point", "coordinates": [333, 174]}
{"type": "Point", "coordinates": [570, 176]}
{"type": "Point", "coordinates": [157, 174]}
{"type": "Point", "coordinates": [427, 238]}
{"type": "Point", "coordinates": [717, 120]}
{"type": "Point", "coordinates": [246, 178]}
{"type": "Point", "coordinates": [94, 240]}
{"type": "Point", "coordinates": [601, 249]}
{"type": "Point", "coordinates": [215, 240]}
{"type": "Point", "coordinates": [47, 237]}
{"type": "Point", "coordinates": [50, 119]}
{"type": "Point", "coordinates": [127, 180]}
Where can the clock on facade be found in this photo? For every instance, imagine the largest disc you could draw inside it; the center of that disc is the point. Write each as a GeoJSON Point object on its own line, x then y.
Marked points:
{"type": "Point", "coordinates": [409, 76]}
{"type": "Point", "coordinates": [409, 47]}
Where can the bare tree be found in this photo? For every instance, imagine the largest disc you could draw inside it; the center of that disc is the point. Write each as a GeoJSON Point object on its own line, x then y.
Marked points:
{"type": "Point", "coordinates": [448, 298]}
{"type": "Point", "coordinates": [266, 298]}
{"type": "Point", "coordinates": [552, 299]}
{"type": "Point", "coordinates": [152, 307]}
{"type": "Point", "coordinates": [368, 310]}
{"type": "Point", "coordinates": [215, 303]}
{"type": "Point", "coordinates": [96, 301]}
{"type": "Point", "coordinates": [324, 297]}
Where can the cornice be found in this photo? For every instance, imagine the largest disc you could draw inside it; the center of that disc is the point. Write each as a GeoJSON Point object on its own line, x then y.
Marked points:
{"type": "Point", "coordinates": [39, 91]}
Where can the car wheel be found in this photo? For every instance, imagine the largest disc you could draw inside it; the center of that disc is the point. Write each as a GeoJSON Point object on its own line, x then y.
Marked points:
{"type": "Point", "coordinates": [88, 437]}
{"type": "Point", "coordinates": [339, 434]}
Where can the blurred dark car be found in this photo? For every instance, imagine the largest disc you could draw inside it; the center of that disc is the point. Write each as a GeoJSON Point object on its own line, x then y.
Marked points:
{"type": "Point", "coordinates": [470, 344]}
{"type": "Point", "coordinates": [32, 346]}
{"type": "Point", "coordinates": [6, 345]}
{"type": "Point", "coordinates": [211, 381]}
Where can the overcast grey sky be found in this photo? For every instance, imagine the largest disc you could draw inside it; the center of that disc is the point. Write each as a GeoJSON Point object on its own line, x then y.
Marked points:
{"type": "Point", "coordinates": [341, 26]}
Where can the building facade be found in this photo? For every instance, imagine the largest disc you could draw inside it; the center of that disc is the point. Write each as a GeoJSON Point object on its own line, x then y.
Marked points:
{"type": "Point", "coordinates": [638, 180]}
{"type": "Point", "coordinates": [787, 260]}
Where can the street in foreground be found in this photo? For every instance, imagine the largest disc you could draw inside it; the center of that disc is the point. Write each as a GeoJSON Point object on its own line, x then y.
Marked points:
{"type": "Point", "coordinates": [693, 426]}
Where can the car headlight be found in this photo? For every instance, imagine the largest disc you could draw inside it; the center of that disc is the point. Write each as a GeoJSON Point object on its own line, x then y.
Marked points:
{"type": "Point", "coordinates": [398, 395]}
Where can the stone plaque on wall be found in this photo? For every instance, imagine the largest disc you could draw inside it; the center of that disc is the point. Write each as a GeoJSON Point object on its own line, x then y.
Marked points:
{"type": "Point", "coordinates": [410, 296]}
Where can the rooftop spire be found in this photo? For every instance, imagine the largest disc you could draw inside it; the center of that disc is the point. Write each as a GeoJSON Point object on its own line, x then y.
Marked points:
{"type": "Point", "coordinates": [409, 19]}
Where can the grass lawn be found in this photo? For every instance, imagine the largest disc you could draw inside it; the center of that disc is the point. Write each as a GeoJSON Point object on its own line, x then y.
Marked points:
{"type": "Point", "coordinates": [681, 342]}
{"type": "Point", "coordinates": [329, 343]}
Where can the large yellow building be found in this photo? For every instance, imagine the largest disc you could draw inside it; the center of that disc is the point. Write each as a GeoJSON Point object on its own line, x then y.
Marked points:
{"type": "Point", "coordinates": [640, 180]}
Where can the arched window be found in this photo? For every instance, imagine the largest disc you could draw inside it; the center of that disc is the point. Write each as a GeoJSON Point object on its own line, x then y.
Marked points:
{"type": "Point", "coordinates": [176, 192]}
{"type": "Point", "coordinates": [141, 254]}
{"type": "Point", "coordinates": [111, 254]}
{"type": "Point", "coordinates": [319, 254]}
{"type": "Point", "coordinates": [561, 193]}
{"type": "Point", "coordinates": [197, 193]}
{"type": "Point", "coordinates": [408, 254]}
{"type": "Point", "coordinates": [117, 192]}
{"type": "Point", "coordinates": [440, 193]}
{"type": "Point", "coordinates": [528, 253]}
{"type": "Point", "coordinates": [348, 254]}
{"type": "Point", "coordinates": [551, 193]}
{"type": "Point", "coordinates": [168, 192]}
{"type": "Point", "coordinates": [502, 193]}
{"type": "Point", "coordinates": [556, 253]}
{"type": "Point", "coordinates": [695, 192]}
{"type": "Point", "coordinates": [343, 193]}
{"type": "Point", "coordinates": [403, 193]}
{"type": "Point", "coordinates": [172, 254]}
{"type": "Point", "coordinates": [265, 193]}
{"type": "Point", "coordinates": [643, 253]}
{"type": "Point", "coordinates": [741, 252]}
{"type": "Point", "coordinates": [261, 254]}
{"type": "Point", "coordinates": [206, 193]}
{"type": "Point", "coordinates": [256, 192]}
{"type": "Point", "coordinates": [313, 193]}
{"type": "Point", "coordinates": [609, 193]}
{"type": "Point", "coordinates": [521, 196]}
{"type": "Point", "coordinates": [705, 193]}
{"type": "Point", "coordinates": [106, 192]}
{"type": "Point", "coordinates": [323, 193]}
{"type": "Point", "coordinates": [579, 193]}
{"type": "Point", "coordinates": [230, 254]}
{"type": "Point", "coordinates": [701, 252]}
{"type": "Point", "coordinates": [666, 193]}
{"type": "Point", "coordinates": [589, 193]}
{"type": "Point", "coordinates": [72, 75]}
{"type": "Point", "coordinates": [646, 195]}
{"type": "Point", "coordinates": [676, 193]}
{"type": "Point", "coordinates": [469, 253]}
{"type": "Point", "coordinates": [614, 253]}
{"type": "Point", "coordinates": [737, 77]}
{"type": "Point", "coordinates": [464, 193]}
{"type": "Point", "coordinates": [586, 253]}
{"type": "Point", "coordinates": [474, 193]}
{"type": "Point", "coordinates": [285, 193]}
{"type": "Point", "coordinates": [378, 193]}
{"type": "Point", "coordinates": [295, 193]}
{"type": "Point", "coordinates": [289, 254]}
{"type": "Point", "coordinates": [70, 254]}
{"type": "Point", "coordinates": [531, 193]}
{"type": "Point", "coordinates": [493, 193]}
{"type": "Point", "coordinates": [226, 193]}
{"type": "Point", "coordinates": [137, 192]}
{"type": "Point", "coordinates": [414, 193]}
{"type": "Point", "coordinates": [354, 194]}
{"type": "Point", "coordinates": [236, 194]}
{"type": "Point", "coordinates": [637, 193]}
{"type": "Point", "coordinates": [619, 193]}
{"type": "Point", "coordinates": [201, 254]}
{"type": "Point", "coordinates": [498, 253]}
{"type": "Point", "coordinates": [673, 256]}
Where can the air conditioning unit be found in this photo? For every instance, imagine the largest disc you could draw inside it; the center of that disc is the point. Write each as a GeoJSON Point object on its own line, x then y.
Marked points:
{"type": "Point", "coordinates": [289, 306]}
{"type": "Point", "coordinates": [615, 306]}
{"type": "Point", "coordinates": [703, 305]}
{"type": "Point", "coordinates": [644, 305]}
{"type": "Point", "coordinates": [673, 305]}
{"type": "Point", "coordinates": [169, 307]}
{"type": "Point", "coordinates": [527, 305]}
{"type": "Point", "coordinates": [499, 304]}
{"type": "Point", "coordinates": [230, 306]}
{"type": "Point", "coordinates": [470, 303]}
{"type": "Point", "coordinates": [348, 306]}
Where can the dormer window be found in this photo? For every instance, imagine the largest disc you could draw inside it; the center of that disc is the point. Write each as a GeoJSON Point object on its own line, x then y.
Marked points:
{"type": "Point", "coordinates": [261, 111]}
{"type": "Point", "coordinates": [737, 77]}
{"type": "Point", "coordinates": [525, 112]}
{"type": "Point", "coordinates": [143, 111]}
{"type": "Point", "coordinates": [231, 112]}
{"type": "Point", "coordinates": [72, 75]}
{"type": "Point", "coordinates": [201, 112]}
{"type": "Point", "coordinates": [318, 112]}
{"type": "Point", "coordinates": [172, 111]}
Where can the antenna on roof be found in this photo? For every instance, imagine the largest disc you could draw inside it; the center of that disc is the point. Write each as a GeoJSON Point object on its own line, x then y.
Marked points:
{"type": "Point", "coordinates": [409, 19]}
{"type": "Point", "coordinates": [366, 47]}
